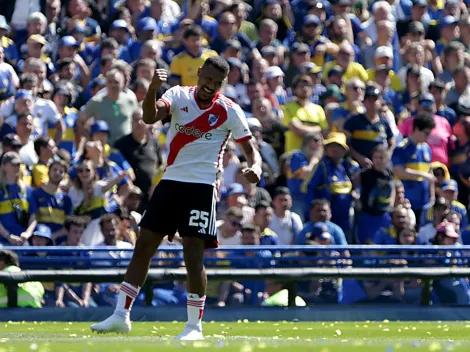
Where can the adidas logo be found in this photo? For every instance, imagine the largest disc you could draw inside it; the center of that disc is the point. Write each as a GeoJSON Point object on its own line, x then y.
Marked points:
{"type": "Point", "coordinates": [185, 109]}
{"type": "Point", "coordinates": [202, 231]}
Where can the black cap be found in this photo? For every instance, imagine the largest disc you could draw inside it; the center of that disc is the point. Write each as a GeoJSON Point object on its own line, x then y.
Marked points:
{"type": "Point", "coordinates": [372, 91]}
{"type": "Point", "coordinates": [437, 84]}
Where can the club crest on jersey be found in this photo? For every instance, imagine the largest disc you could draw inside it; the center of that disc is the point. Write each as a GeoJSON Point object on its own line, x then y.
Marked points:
{"type": "Point", "coordinates": [213, 119]}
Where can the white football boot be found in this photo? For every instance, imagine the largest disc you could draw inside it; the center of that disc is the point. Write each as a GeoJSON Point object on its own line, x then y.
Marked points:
{"type": "Point", "coordinates": [115, 323]}
{"type": "Point", "coordinates": [191, 333]}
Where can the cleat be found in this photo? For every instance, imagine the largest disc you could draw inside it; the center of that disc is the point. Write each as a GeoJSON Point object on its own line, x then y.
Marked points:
{"type": "Point", "coordinates": [114, 323]}
{"type": "Point", "coordinates": [191, 333]}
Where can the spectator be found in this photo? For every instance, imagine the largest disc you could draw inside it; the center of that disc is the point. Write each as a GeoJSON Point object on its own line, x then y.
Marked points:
{"type": "Point", "coordinates": [185, 65]}
{"type": "Point", "coordinates": [285, 223]}
{"type": "Point", "coordinates": [321, 213]}
{"type": "Point", "coordinates": [9, 80]}
{"type": "Point", "coordinates": [440, 140]}
{"type": "Point", "coordinates": [116, 99]}
{"type": "Point", "coordinates": [301, 116]}
{"type": "Point", "coordinates": [411, 163]}
{"type": "Point", "coordinates": [262, 219]}
{"type": "Point", "coordinates": [99, 132]}
{"type": "Point", "coordinates": [141, 149]}
{"type": "Point", "coordinates": [454, 55]}
{"type": "Point", "coordinates": [459, 92]}
{"type": "Point", "coordinates": [439, 92]}
{"type": "Point", "coordinates": [352, 106]}
{"type": "Point", "coordinates": [53, 204]}
{"type": "Point", "coordinates": [369, 130]}
{"type": "Point", "coordinates": [236, 196]}
{"type": "Point", "coordinates": [301, 165]}
{"type": "Point", "coordinates": [401, 200]}
{"type": "Point", "coordinates": [18, 221]}
{"type": "Point", "coordinates": [377, 196]}
{"type": "Point", "coordinates": [449, 191]}
{"type": "Point", "coordinates": [45, 149]}
{"type": "Point", "coordinates": [30, 293]}
{"type": "Point", "coordinates": [345, 60]}
{"type": "Point", "coordinates": [441, 212]}
{"type": "Point", "coordinates": [110, 230]}
{"type": "Point", "coordinates": [332, 180]}
{"type": "Point", "coordinates": [229, 229]}
{"type": "Point", "coordinates": [389, 234]}
{"type": "Point", "coordinates": [90, 196]}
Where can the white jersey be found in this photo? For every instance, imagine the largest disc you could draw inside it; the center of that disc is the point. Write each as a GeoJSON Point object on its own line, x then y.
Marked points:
{"type": "Point", "coordinates": [197, 137]}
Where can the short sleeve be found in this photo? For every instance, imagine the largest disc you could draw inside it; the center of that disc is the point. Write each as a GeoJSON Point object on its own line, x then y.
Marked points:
{"type": "Point", "coordinates": [388, 130]}
{"type": "Point", "coordinates": [297, 161]}
{"type": "Point", "coordinates": [349, 125]}
{"type": "Point", "coordinates": [398, 157]}
{"type": "Point", "coordinates": [238, 124]}
{"type": "Point", "coordinates": [170, 96]}
{"type": "Point", "coordinates": [91, 108]}
{"type": "Point", "coordinates": [339, 236]}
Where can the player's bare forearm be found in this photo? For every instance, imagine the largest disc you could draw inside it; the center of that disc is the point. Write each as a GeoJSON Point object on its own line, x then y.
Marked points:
{"type": "Point", "coordinates": [154, 111]}
{"type": "Point", "coordinates": [253, 158]}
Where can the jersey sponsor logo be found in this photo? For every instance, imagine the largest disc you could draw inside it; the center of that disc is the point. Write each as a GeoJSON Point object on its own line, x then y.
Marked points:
{"type": "Point", "coordinates": [212, 119]}
{"type": "Point", "coordinates": [192, 131]}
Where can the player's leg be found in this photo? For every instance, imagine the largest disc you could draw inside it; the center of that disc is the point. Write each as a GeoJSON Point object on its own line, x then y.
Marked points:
{"type": "Point", "coordinates": [198, 232]}
{"type": "Point", "coordinates": [197, 282]}
{"type": "Point", "coordinates": [136, 273]}
{"type": "Point", "coordinates": [158, 221]}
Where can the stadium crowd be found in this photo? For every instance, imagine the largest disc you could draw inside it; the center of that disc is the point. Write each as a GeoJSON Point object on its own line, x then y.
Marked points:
{"type": "Point", "coordinates": [360, 110]}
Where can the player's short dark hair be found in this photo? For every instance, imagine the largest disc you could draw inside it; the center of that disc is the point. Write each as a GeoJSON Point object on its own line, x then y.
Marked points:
{"type": "Point", "coordinates": [234, 211]}
{"type": "Point", "coordinates": [9, 257]}
{"type": "Point", "coordinates": [108, 218]}
{"type": "Point", "coordinates": [262, 205]}
{"type": "Point", "coordinates": [320, 202]}
{"type": "Point", "coordinates": [218, 63]}
{"type": "Point", "coordinates": [424, 121]}
{"type": "Point", "coordinates": [193, 31]}
{"type": "Point", "coordinates": [41, 142]}
{"type": "Point", "coordinates": [77, 221]}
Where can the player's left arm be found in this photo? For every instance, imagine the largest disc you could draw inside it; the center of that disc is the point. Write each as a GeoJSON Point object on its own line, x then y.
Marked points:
{"type": "Point", "coordinates": [253, 172]}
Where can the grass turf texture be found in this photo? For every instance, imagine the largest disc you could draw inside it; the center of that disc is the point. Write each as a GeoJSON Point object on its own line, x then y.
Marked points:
{"type": "Point", "coordinates": [241, 336]}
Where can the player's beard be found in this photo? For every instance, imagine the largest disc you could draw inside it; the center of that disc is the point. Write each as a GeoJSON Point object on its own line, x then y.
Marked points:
{"type": "Point", "coordinates": [204, 97]}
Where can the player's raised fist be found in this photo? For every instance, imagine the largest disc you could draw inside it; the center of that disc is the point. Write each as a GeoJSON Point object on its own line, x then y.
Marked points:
{"type": "Point", "coordinates": [160, 76]}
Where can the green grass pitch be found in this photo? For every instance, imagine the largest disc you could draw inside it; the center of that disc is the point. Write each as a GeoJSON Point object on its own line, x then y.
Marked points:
{"type": "Point", "coordinates": [241, 336]}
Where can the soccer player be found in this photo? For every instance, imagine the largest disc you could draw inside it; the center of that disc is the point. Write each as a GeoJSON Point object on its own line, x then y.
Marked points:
{"type": "Point", "coordinates": [202, 121]}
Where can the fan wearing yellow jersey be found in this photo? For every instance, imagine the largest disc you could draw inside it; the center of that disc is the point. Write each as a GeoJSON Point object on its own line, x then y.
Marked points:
{"type": "Point", "coordinates": [185, 65]}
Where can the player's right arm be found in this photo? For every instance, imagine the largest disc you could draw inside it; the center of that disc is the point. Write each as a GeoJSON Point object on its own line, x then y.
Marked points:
{"type": "Point", "coordinates": [155, 111]}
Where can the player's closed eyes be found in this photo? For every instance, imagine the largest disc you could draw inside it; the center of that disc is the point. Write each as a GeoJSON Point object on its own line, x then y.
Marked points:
{"type": "Point", "coordinates": [84, 170]}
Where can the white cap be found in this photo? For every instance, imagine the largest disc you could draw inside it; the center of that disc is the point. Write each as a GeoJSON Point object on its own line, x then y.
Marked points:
{"type": "Point", "coordinates": [383, 51]}
{"type": "Point", "coordinates": [273, 72]}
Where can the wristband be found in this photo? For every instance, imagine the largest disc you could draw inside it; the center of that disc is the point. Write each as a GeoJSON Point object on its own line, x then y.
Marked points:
{"type": "Point", "coordinates": [257, 169]}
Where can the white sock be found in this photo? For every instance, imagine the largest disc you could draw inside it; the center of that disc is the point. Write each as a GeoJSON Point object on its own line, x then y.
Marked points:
{"type": "Point", "coordinates": [127, 295]}
{"type": "Point", "coordinates": [195, 309]}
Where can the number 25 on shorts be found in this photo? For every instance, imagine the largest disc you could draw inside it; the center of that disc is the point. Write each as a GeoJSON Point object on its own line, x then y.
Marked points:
{"type": "Point", "coordinates": [199, 219]}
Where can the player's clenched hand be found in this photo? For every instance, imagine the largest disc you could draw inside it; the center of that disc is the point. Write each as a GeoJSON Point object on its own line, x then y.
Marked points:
{"type": "Point", "coordinates": [160, 76]}
{"type": "Point", "coordinates": [252, 174]}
